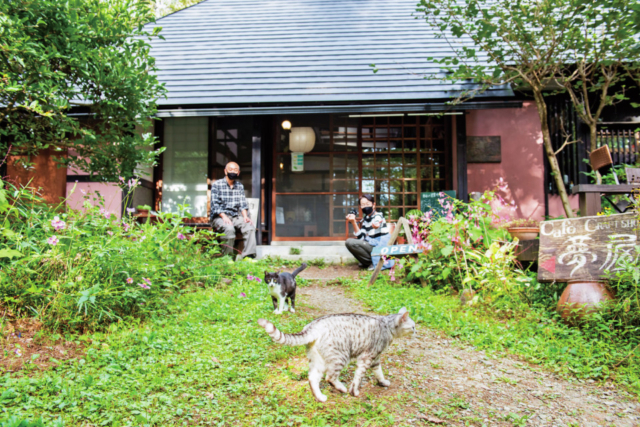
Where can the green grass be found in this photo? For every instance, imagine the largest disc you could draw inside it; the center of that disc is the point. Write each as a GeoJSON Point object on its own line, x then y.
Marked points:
{"type": "Point", "coordinates": [206, 362]}
{"type": "Point", "coordinates": [535, 336]}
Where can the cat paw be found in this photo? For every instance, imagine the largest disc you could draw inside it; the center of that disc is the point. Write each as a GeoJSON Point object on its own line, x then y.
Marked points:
{"type": "Point", "coordinates": [353, 391]}
{"type": "Point", "coordinates": [384, 383]}
{"type": "Point", "coordinates": [277, 312]}
{"type": "Point", "coordinates": [341, 388]}
{"type": "Point", "coordinates": [293, 310]}
{"type": "Point", "coordinates": [320, 398]}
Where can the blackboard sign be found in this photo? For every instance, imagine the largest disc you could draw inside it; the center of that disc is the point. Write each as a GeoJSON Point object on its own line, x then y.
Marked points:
{"type": "Point", "coordinates": [431, 201]}
{"type": "Point", "coordinates": [483, 149]}
{"type": "Point", "coordinates": [584, 248]}
{"type": "Point", "coordinates": [397, 250]}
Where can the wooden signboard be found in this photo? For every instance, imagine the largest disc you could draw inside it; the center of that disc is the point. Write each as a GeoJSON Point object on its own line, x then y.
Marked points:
{"type": "Point", "coordinates": [396, 250]}
{"type": "Point", "coordinates": [585, 248]}
{"type": "Point", "coordinates": [431, 201]}
{"type": "Point", "coordinates": [483, 149]}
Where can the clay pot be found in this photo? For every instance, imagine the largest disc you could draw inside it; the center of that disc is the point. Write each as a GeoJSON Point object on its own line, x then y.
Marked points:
{"type": "Point", "coordinates": [582, 297]}
{"type": "Point", "coordinates": [524, 233]}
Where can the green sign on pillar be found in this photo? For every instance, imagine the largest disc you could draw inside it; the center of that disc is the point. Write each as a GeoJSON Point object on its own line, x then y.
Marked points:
{"type": "Point", "coordinates": [431, 201]}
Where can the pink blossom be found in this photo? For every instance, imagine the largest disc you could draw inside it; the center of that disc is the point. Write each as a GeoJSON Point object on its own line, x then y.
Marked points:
{"type": "Point", "coordinates": [129, 280]}
{"type": "Point", "coordinates": [242, 295]}
{"type": "Point", "coordinates": [131, 210]}
{"type": "Point", "coordinates": [104, 212]}
{"type": "Point", "coordinates": [110, 233]}
{"type": "Point", "coordinates": [53, 240]}
{"type": "Point", "coordinates": [125, 226]}
{"type": "Point", "coordinates": [121, 179]}
{"type": "Point", "coordinates": [57, 223]}
{"type": "Point", "coordinates": [147, 280]}
{"type": "Point", "coordinates": [143, 286]}
{"type": "Point", "coordinates": [132, 183]}
{"type": "Point", "coordinates": [259, 280]}
{"type": "Point", "coordinates": [181, 236]}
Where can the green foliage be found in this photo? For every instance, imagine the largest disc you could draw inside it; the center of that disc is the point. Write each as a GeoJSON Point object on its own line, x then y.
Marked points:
{"type": "Point", "coordinates": [538, 336]}
{"type": "Point", "coordinates": [83, 270]}
{"type": "Point", "coordinates": [203, 360]}
{"type": "Point", "coordinates": [88, 54]}
{"type": "Point", "coordinates": [295, 251]}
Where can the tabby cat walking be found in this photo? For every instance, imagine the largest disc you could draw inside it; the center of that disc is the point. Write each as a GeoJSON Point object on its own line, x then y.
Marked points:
{"type": "Point", "coordinates": [335, 339]}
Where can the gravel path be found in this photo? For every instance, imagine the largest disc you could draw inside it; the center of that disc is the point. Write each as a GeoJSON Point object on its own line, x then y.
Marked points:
{"type": "Point", "coordinates": [438, 380]}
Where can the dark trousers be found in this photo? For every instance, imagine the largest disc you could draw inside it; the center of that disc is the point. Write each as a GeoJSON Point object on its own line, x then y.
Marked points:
{"type": "Point", "coordinates": [361, 250]}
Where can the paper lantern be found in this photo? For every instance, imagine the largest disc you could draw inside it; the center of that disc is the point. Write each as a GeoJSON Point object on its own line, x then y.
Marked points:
{"type": "Point", "coordinates": [302, 139]}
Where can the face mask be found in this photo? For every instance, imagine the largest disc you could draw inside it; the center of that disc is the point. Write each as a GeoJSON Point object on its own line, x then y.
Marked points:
{"type": "Point", "coordinates": [232, 176]}
{"type": "Point", "coordinates": [367, 210]}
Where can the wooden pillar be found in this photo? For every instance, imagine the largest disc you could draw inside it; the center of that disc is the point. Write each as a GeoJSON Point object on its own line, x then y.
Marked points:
{"type": "Point", "coordinates": [461, 153]}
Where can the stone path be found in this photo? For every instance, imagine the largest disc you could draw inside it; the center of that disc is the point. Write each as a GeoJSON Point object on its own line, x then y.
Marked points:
{"type": "Point", "coordinates": [441, 381]}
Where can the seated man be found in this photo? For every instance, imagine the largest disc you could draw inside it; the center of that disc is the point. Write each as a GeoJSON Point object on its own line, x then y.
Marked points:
{"type": "Point", "coordinates": [229, 211]}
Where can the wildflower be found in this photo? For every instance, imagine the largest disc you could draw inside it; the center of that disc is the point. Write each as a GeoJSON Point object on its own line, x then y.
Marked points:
{"type": "Point", "coordinates": [181, 236]}
{"type": "Point", "coordinates": [243, 295]}
{"type": "Point", "coordinates": [57, 223]}
{"type": "Point", "coordinates": [132, 183]}
{"type": "Point", "coordinates": [53, 240]}
{"type": "Point", "coordinates": [143, 286]}
{"type": "Point", "coordinates": [125, 226]}
{"type": "Point", "coordinates": [83, 192]}
{"type": "Point", "coordinates": [104, 212]}
{"type": "Point", "coordinates": [249, 277]}
{"type": "Point", "coordinates": [129, 280]}
{"type": "Point", "coordinates": [121, 179]}
{"type": "Point", "coordinates": [110, 233]}
{"type": "Point", "coordinates": [18, 352]}
{"type": "Point", "coordinates": [142, 239]}
{"type": "Point", "coordinates": [148, 281]}
{"type": "Point", "coordinates": [259, 280]}
{"type": "Point", "coordinates": [131, 210]}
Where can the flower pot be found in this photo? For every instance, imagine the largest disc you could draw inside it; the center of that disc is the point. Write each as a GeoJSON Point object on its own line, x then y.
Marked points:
{"type": "Point", "coordinates": [143, 211]}
{"type": "Point", "coordinates": [524, 233]}
{"type": "Point", "coordinates": [582, 297]}
{"type": "Point", "coordinates": [400, 240]}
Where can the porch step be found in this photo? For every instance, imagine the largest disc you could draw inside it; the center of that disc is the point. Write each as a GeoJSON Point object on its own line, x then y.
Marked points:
{"type": "Point", "coordinates": [334, 254]}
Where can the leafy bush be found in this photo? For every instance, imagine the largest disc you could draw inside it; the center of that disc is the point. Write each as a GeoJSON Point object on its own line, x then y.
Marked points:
{"type": "Point", "coordinates": [82, 270]}
{"type": "Point", "coordinates": [466, 247]}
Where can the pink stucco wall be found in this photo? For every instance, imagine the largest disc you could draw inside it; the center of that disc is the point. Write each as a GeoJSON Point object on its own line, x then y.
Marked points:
{"type": "Point", "coordinates": [84, 191]}
{"type": "Point", "coordinates": [522, 165]}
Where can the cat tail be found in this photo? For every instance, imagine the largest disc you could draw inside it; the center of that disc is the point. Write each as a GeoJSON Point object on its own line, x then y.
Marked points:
{"type": "Point", "coordinates": [303, 338]}
{"type": "Point", "coordinates": [299, 269]}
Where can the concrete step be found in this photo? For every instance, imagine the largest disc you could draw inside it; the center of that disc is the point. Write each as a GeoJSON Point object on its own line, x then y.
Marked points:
{"type": "Point", "coordinates": [334, 254]}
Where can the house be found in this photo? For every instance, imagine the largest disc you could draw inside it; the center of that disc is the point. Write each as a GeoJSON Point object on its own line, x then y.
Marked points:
{"type": "Point", "coordinates": [245, 78]}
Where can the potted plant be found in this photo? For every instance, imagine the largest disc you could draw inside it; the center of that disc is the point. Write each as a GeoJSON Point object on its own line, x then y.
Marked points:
{"type": "Point", "coordinates": [524, 229]}
{"type": "Point", "coordinates": [143, 209]}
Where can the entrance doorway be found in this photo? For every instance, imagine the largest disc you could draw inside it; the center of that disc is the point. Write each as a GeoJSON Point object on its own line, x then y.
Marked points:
{"type": "Point", "coordinates": [394, 157]}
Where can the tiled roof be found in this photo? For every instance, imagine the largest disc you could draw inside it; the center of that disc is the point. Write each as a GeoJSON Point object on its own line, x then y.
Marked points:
{"type": "Point", "coordinates": [222, 52]}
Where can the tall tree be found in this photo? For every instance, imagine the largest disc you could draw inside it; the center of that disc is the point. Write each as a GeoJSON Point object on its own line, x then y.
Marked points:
{"type": "Point", "coordinates": [91, 57]}
{"type": "Point", "coordinates": [587, 48]}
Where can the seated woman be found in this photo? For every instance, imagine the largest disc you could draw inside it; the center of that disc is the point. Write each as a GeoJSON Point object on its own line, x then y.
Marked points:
{"type": "Point", "coordinates": [371, 231]}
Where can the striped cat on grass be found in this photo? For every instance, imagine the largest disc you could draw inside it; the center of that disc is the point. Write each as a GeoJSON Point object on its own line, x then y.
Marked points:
{"type": "Point", "coordinates": [335, 339]}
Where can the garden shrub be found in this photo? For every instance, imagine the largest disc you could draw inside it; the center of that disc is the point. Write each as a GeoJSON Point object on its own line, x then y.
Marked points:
{"type": "Point", "coordinates": [80, 271]}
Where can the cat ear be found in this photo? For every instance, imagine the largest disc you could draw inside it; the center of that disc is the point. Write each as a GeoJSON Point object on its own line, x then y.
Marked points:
{"type": "Point", "coordinates": [404, 317]}
{"type": "Point", "coordinates": [403, 310]}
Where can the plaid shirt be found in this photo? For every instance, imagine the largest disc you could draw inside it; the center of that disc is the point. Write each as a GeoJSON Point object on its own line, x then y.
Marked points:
{"type": "Point", "coordinates": [227, 200]}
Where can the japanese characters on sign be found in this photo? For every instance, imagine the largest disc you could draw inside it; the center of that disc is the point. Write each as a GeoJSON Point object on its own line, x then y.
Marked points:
{"type": "Point", "coordinates": [586, 248]}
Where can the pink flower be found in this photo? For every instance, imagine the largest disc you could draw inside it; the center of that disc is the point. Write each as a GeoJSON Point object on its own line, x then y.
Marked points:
{"type": "Point", "coordinates": [132, 183]}
{"type": "Point", "coordinates": [242, 295]}
{"type": "Point", "coordinates": [249, 277]}
{"type": "Point", "coordinates": [125, 226]}
{"type": "Point", "coordinates": [181, 236]}
{"type": "Point", "coordinates": [143, 286]}
{"type": "Point", "coordinates": [53, 240]}
{"type": "Point", "coordinates": [147, 281]}
{"type": "Point", "coordinates": [129, 280]}
{"type": "Point", "coordinates": [57, 223]}
{"type": "Point", "coordinates": [121, 179]}
{"type": "Point", "coordinates": [110, 233]}
{"type": "Point", "coordinates": [259, 280]}
{"type": "Point", "coordinates": [104, 212]}
{"type": "Point", "coordinates": [131, 210]}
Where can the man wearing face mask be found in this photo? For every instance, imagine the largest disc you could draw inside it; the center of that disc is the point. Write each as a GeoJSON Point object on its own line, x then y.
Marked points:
{"type": "Point", "coordinates": [229, 211]}
{"type": "Point", "coordinates": [371, 231]}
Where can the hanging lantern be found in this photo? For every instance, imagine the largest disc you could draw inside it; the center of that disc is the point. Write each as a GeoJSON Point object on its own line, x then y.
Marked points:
{"type": "Point", "coordinates": [302, 139]}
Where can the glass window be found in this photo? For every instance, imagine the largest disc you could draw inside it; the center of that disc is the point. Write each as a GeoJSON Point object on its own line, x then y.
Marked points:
{"type": "Point", "coordinates": [184, 173]}
{"type": "Point", "coordinates": [234, 143]}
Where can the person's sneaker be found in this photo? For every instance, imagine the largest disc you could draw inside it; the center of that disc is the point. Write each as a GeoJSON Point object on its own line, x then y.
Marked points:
{"type": "Point", "coordinates": [371, 267]}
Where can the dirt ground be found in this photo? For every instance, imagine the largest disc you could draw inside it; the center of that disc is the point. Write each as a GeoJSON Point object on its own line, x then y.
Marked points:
{"type": "Point", "coordinates": [441, 381]}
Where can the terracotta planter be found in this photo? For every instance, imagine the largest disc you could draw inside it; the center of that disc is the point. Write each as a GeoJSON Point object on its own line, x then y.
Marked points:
{"type": "Point", "coordinates": [524, 233]}
{"type": "Point", "coordinates": [400, 240]}
{"type": "Point", "coordinates": [582, 297]}
{"type": "Point", "coordinates": [143, 211]}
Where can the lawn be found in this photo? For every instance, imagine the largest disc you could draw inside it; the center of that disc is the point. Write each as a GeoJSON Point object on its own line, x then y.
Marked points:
{"type": "Point", "coordinates": [204, 361]}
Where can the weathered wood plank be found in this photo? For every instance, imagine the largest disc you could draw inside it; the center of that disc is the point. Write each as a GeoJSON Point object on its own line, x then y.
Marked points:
{"type": "Point", "coordinates": [603, 188]}
{"type": "Point", "coordinates": [585, 248]}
